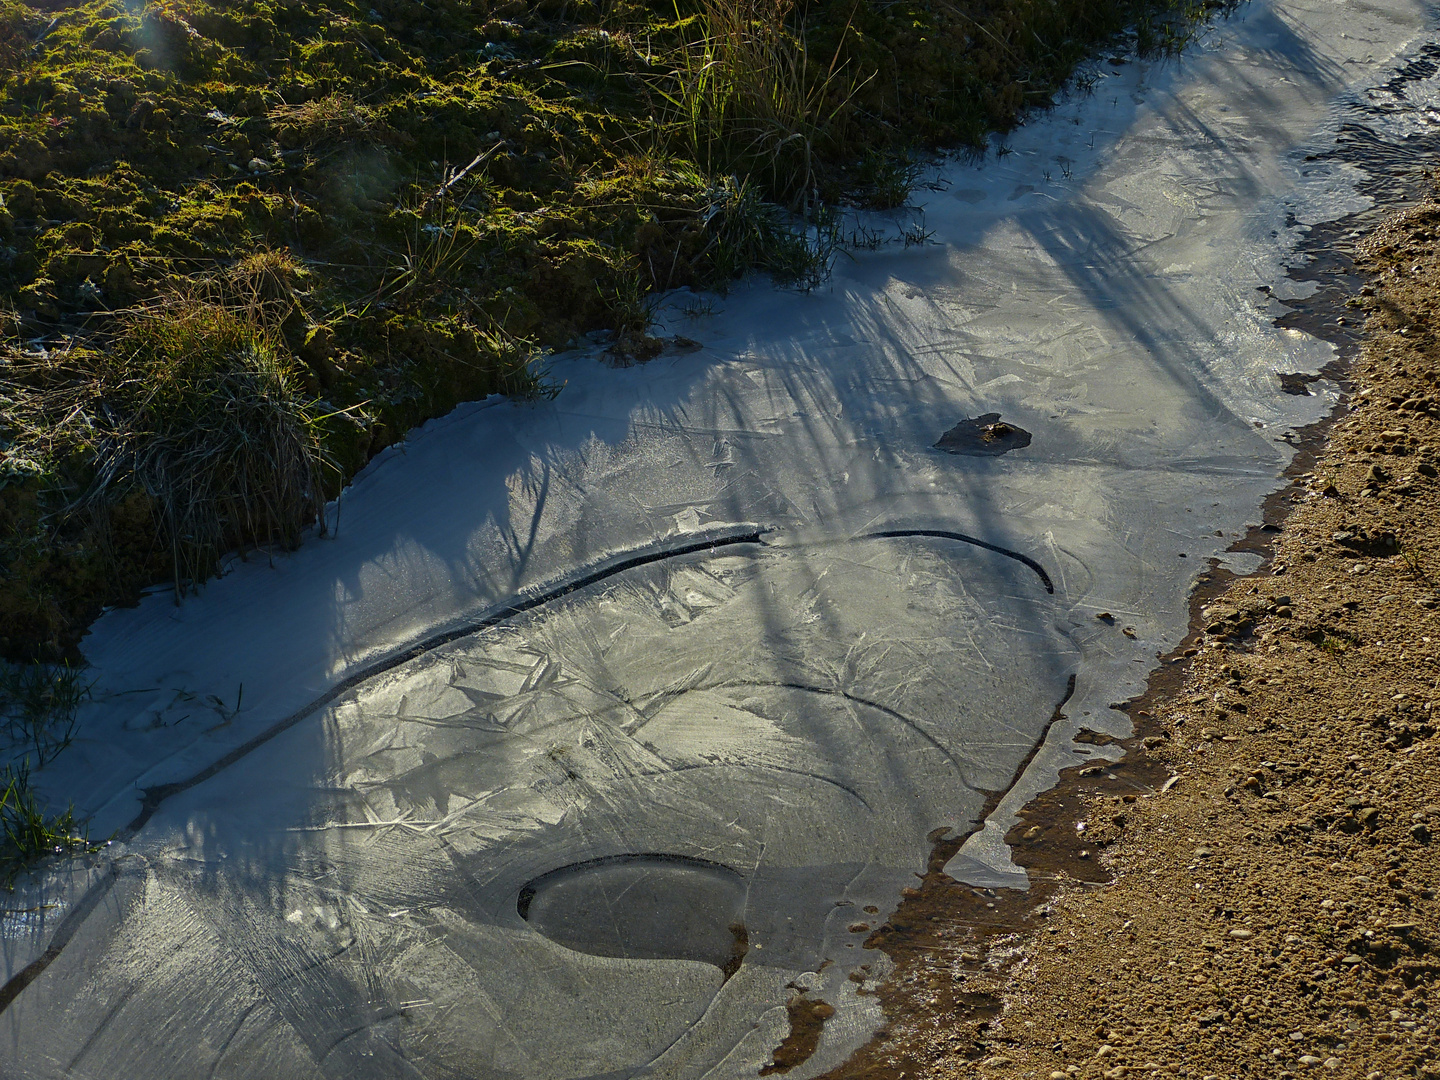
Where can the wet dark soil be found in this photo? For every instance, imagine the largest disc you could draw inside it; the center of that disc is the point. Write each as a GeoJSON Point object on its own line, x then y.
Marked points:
{"type": "Point", "coordinates": [807, 1021]}
{"type": "Point", "coordinates": [983, 436]}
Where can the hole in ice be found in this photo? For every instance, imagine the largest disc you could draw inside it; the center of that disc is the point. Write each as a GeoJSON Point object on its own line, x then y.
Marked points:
{"type": "Point", "coordinates": [984, 436]}
{"type": "Point", "coordinates": [654, 907]}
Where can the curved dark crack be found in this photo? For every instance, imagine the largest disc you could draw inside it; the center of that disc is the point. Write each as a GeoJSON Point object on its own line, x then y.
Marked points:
{"type": "Point", "coordinates": [710, 540]}
{"type": "Point", "coordinates": [964, 538]}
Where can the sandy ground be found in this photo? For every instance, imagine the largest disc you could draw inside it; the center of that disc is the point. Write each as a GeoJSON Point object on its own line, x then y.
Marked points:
{"type": "Point", "coordinates": [1252, 891]}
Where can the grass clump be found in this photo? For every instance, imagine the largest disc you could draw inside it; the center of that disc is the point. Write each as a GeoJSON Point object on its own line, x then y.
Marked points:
{"type": "Point", "coordinates": [28, 833]}
{"type": "Point", "coordinates": [245, 246]}
{"type": "Point", "coordinates": [201, 412]}
{"type": "Point", "coordinates": [745, 97]}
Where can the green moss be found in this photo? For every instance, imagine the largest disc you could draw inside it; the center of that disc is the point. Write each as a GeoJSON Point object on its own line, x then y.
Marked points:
{"type": "Point", "coordinates": [459, 185]}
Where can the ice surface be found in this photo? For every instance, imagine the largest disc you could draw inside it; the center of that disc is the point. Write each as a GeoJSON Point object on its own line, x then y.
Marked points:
{"type": "Point", "coordinates": [632, 789]}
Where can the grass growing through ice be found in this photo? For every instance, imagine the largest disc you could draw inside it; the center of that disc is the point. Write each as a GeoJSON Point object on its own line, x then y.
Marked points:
{"type": "Point", "coordinates": [245, 246]}
{"type": "Point", "coordinates": [27, 832]}
{"type": "Point", "coordinates": [38, 703]}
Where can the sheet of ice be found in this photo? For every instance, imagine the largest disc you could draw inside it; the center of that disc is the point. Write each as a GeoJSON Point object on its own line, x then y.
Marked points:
{"type": "Point", "coordinates": [525, 852]}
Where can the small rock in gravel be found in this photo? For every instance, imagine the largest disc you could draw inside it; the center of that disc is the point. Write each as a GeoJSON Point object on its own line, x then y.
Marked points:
{"type": "Point", "coordinates": [1309, 1059]}
{"type": "Point", "coordinates": [1241, 934]}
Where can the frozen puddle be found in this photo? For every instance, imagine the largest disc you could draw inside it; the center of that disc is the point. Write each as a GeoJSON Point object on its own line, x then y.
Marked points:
{"type": "Point", "coordinates": [608, 725]}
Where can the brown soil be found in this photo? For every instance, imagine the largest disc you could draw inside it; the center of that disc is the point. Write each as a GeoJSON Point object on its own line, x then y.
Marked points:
{"type": "Point", "coordinates": [1252, 890]}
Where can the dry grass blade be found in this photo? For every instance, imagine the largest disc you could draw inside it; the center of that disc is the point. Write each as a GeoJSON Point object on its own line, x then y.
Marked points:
{"type": "Point", "coordinates": [333, 118]}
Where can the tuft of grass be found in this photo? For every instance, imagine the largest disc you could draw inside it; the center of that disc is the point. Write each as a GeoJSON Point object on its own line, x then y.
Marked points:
{"type": "Point", "coordinates": [39, 702]}
{"type": "Point", "coordinates": [745, 96]}
{"type": "Point", "coordinates": [27, 833]}
{"type": "Point", "coordinates": [745, 231]}
{"type": "Point", "coordinates": [631, 310]}
{"type": "Point", "coordinates": [334, 118]}
{"type": "Point", "coordinates": [1413, 560]}
{"type": "Point", "coordinates": [197, 408]}
{"type": "Point", "coordinates": [203, 413]}
{"type": "Point", "coordinates": [886, 179]}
